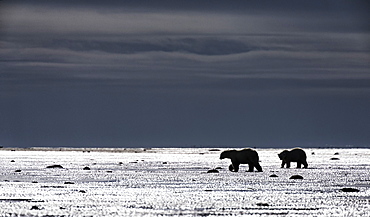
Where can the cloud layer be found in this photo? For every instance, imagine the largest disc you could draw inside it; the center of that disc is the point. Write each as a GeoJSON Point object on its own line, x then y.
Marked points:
{"type": "Point", "coordinates": [181, 72]}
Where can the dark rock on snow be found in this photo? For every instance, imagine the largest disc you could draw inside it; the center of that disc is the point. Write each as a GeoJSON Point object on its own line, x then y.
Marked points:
{"type": "Point", "coordinates": [296, 177]}
{"type": "Point", "coordinates": [274, 175]}
{"type": "Point", "coordinates": [334, 158]}
{"type": "Point", "coordinates": [45, 186]}
{"type": "Point", "coordinates": [68, 183]}
{"type": "Point", "coordinates": [212, 171]}
{"type": "Point", "coordinates": [263, 204]}
{"type": "Point", "coordinates": [54, 166]}
{"type": "Point", "coordinates": [35, 208]}
{"type": "Point", "coordinates": [86, 168]}
{"type": "Point", "coordinates": [349, 190]}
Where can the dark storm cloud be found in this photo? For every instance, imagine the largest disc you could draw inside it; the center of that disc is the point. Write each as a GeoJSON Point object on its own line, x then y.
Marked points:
{"type": "Point", "coordinates": [189, 16]}
{"type": "Point", "coordinates": [184, 73]}
{"type": "Point", "coordinates": [217, 5]}
{"type": "Point", "coordinates": [201, 46]}
{"type": "Point", "coordinates": [174, 59]}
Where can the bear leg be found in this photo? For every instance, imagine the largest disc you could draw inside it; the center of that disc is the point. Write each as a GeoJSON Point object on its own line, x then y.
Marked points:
{"type": "Point", "coordinates": [251, 168]}
{"type": "Point", "coordinates": [288, 164]}
{"type": "Point", "coordinates": [305, 164]}
{"type": "Point", "coordinates": [282, 164]}
{"type": "Point", "coordinates": [236, 167]}
{"type": "Point", "coordinates": [231, 168]}
{"type": "Point", "coordinates": [258, 167]}
{"type": "Point", "coordinates": [299, 164]}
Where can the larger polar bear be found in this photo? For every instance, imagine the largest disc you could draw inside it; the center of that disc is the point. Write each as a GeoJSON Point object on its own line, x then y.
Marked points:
{"type": "Point", "coordinates": [245, 156]}
{"type": "Point", "coordinates": [295, 155]}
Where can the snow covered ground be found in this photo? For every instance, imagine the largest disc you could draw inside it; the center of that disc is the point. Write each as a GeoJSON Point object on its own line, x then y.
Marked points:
{"type": "Point", "coordinates": [175, 182]}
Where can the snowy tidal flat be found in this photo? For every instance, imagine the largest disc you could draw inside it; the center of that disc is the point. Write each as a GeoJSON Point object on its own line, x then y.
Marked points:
{"type": "Point", "coordinates": [175, 182]}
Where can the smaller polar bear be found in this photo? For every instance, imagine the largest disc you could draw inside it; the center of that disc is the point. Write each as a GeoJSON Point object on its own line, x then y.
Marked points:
{"type": "Point", "coordinates": [245, 156]}
{"type": "Point", "coordinates": [295, 155]}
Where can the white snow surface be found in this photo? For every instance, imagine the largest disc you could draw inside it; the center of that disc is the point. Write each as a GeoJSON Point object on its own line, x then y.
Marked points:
{"type": "Point", "coordinates": [175, 182]}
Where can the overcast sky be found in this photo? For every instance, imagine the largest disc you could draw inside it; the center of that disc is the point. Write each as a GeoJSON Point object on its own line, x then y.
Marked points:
{"type": "Point", "coordinates": [171, 73]}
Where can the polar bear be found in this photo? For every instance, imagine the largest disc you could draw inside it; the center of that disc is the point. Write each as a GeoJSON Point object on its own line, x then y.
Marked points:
{"type": "Point", "coordinates": [245, 156]}
{"type": "Point", "coordinates": [294, 155]}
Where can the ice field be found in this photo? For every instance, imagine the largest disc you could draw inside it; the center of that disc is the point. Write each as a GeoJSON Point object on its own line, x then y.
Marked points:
{"type": "Point", "coordinates": [175, 182]}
